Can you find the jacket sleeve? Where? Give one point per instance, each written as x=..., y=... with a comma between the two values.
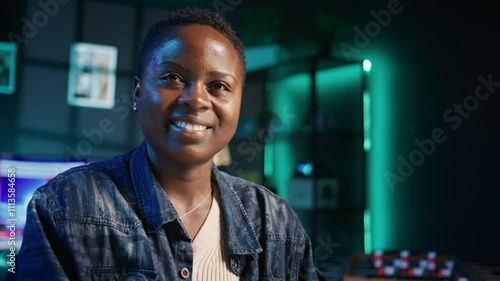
x=307, y=269
x=40, y=255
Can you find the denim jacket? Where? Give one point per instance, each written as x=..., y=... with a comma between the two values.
x=111, y=220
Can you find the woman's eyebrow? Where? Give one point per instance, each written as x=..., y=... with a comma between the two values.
x=174, y=64
x=211, y=74
x=220, y=74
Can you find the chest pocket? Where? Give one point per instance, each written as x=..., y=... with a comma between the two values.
x=121, y=274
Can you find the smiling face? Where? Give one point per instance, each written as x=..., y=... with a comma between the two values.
x=189, y=96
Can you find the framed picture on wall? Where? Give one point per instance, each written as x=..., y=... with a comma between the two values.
x=92, y=75
x=8, y=53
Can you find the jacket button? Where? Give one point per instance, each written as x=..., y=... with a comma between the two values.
x=184, y=273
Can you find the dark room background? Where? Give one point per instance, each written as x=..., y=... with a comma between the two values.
x=427, y=64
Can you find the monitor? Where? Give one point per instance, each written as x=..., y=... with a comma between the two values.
x=19, y=179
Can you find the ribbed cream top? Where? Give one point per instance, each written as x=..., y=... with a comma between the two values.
x=210, y=259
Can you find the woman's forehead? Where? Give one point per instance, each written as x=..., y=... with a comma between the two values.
x=196, y=43
x=194, y=39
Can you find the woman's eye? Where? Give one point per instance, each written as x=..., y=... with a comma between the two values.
x=219, y=86
x=172, y=77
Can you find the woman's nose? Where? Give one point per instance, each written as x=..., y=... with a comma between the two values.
x=195, y=97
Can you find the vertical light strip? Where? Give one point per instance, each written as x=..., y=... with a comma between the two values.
x=367, y=221
x=269, y=160
x=367, y=122
x=381, y=87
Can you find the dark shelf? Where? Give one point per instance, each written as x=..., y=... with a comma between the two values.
x=301, y=65
x=329, y=136
x=299, y=135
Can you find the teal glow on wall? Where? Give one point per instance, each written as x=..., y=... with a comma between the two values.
x=342, y=80
x=292, y=95
x=269, y=160
x=339, y=88
x=286, y=155
x=367, y=223
x=339, y=99
x=380, y=87
x=288, y=99
x=259, y=57
x=367, y=121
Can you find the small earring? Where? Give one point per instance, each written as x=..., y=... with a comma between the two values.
x=134, y=107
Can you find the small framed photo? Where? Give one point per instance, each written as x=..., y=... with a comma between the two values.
x=92, y=75
x=8, y=54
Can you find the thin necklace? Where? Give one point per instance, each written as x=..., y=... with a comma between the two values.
x=197, y=206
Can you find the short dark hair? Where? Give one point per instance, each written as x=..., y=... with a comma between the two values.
x=188, y=16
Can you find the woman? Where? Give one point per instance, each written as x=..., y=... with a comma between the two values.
x=163, y=211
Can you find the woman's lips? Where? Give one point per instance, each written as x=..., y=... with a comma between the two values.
x=190, y=127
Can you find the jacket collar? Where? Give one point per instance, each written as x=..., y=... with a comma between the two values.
x=240, y=235
x=154, y=205
x=157, y=210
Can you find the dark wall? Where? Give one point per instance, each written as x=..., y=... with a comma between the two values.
x=9, y=20
x=454, y=196
x=451, y=201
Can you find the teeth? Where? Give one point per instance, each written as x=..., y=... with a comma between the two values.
x=190, y=127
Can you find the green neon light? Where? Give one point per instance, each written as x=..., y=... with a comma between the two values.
x=367, y=221
x=269, y=160
x=289, y=100
x=367, y=65
x=380, y=85
x=367, y=122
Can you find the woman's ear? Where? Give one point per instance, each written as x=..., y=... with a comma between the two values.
x=136, y=92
